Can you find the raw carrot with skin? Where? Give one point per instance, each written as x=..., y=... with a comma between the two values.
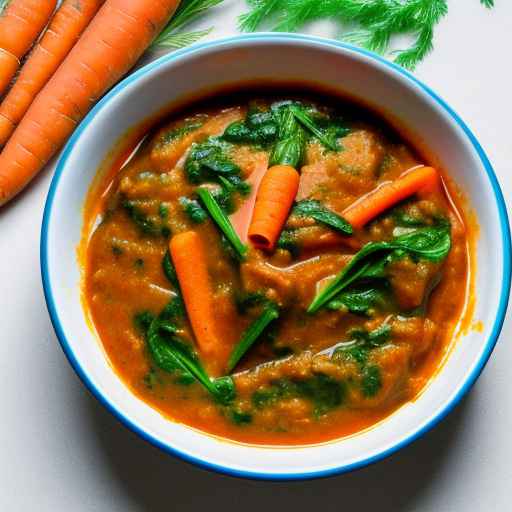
x=108, y=48
x=63, y=32
x=20, y=24
x=274, y=199
x=189, y=258
x=373, y=204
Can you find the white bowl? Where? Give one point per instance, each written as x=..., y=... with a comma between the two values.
x=271, y=57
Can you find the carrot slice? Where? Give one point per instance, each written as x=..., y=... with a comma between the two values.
x=69, y=22
x=241, y=219
x=189, y=258
x=20, y=24
x=387, y=195
x=108, y=48
x=274, y=199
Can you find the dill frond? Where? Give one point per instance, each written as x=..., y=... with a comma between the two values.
x=376, y=21
x=180, y=40
x=188, y=11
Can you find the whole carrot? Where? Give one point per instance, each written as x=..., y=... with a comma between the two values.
x=189, y=258
x=274, y=199
x=67, y=25
x=373, y=204
x=20, y=24
x=109, y=47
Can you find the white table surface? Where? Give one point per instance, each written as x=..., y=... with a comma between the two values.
x=60, y=450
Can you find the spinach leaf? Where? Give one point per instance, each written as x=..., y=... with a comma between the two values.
x=222, y=221
x=316, y=210
x=169, y=270
x=171, y=354
x=144, y=223
x=208, y=160
x=179, y=132
x=258, y=128
x=359, y=300
x=371, y=382
x=323, y=391
x=431, y=243
x=288, y=241
x=291, y=140
x=193, y=209
x=302, y=116
x=163, y=211
x=142, y=321
x=246, y=301
x=249, y=337
x=174, y=310
x=406, y=220
x=364, y=342
x=240, y=417
x=374, y=338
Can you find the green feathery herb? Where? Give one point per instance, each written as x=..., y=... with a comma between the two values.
x=378, y=21
x=188, y=11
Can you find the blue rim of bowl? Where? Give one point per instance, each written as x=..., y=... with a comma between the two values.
x=269, y=37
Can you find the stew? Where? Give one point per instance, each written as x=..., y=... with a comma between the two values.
x=278, y=270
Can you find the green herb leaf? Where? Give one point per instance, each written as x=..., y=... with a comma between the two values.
x=288, y=241
x=142, y=321
x=371, y=381
x=374, y=338
x=173, y=355
x=258, y=128
x=209, y=159
x=360, y=300
x=323, y=391
x=163, y=211
x=249, y=337
x=179, y=132
x=188, y=11
x=404, y=219
x=180, y=40
x=378, y=20
x=145, y=224
x=308, y=122
x=193, y=209
x=291, y=141
x=246, y=301
x=169, y=270
x=222, y=221
x=432, y=243
x=315, y=209
x=240, y=417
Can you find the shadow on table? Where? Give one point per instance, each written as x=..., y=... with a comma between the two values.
x=155, y=480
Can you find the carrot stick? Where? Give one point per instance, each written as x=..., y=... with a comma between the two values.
x=389, y=194
x=67, y=25
x=274, y=199
x=189, y=258
x=20, y=24
x=108, y=48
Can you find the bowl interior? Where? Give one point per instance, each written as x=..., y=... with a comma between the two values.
x=270, y=59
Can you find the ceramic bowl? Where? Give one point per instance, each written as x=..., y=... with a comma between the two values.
x=269, y=58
